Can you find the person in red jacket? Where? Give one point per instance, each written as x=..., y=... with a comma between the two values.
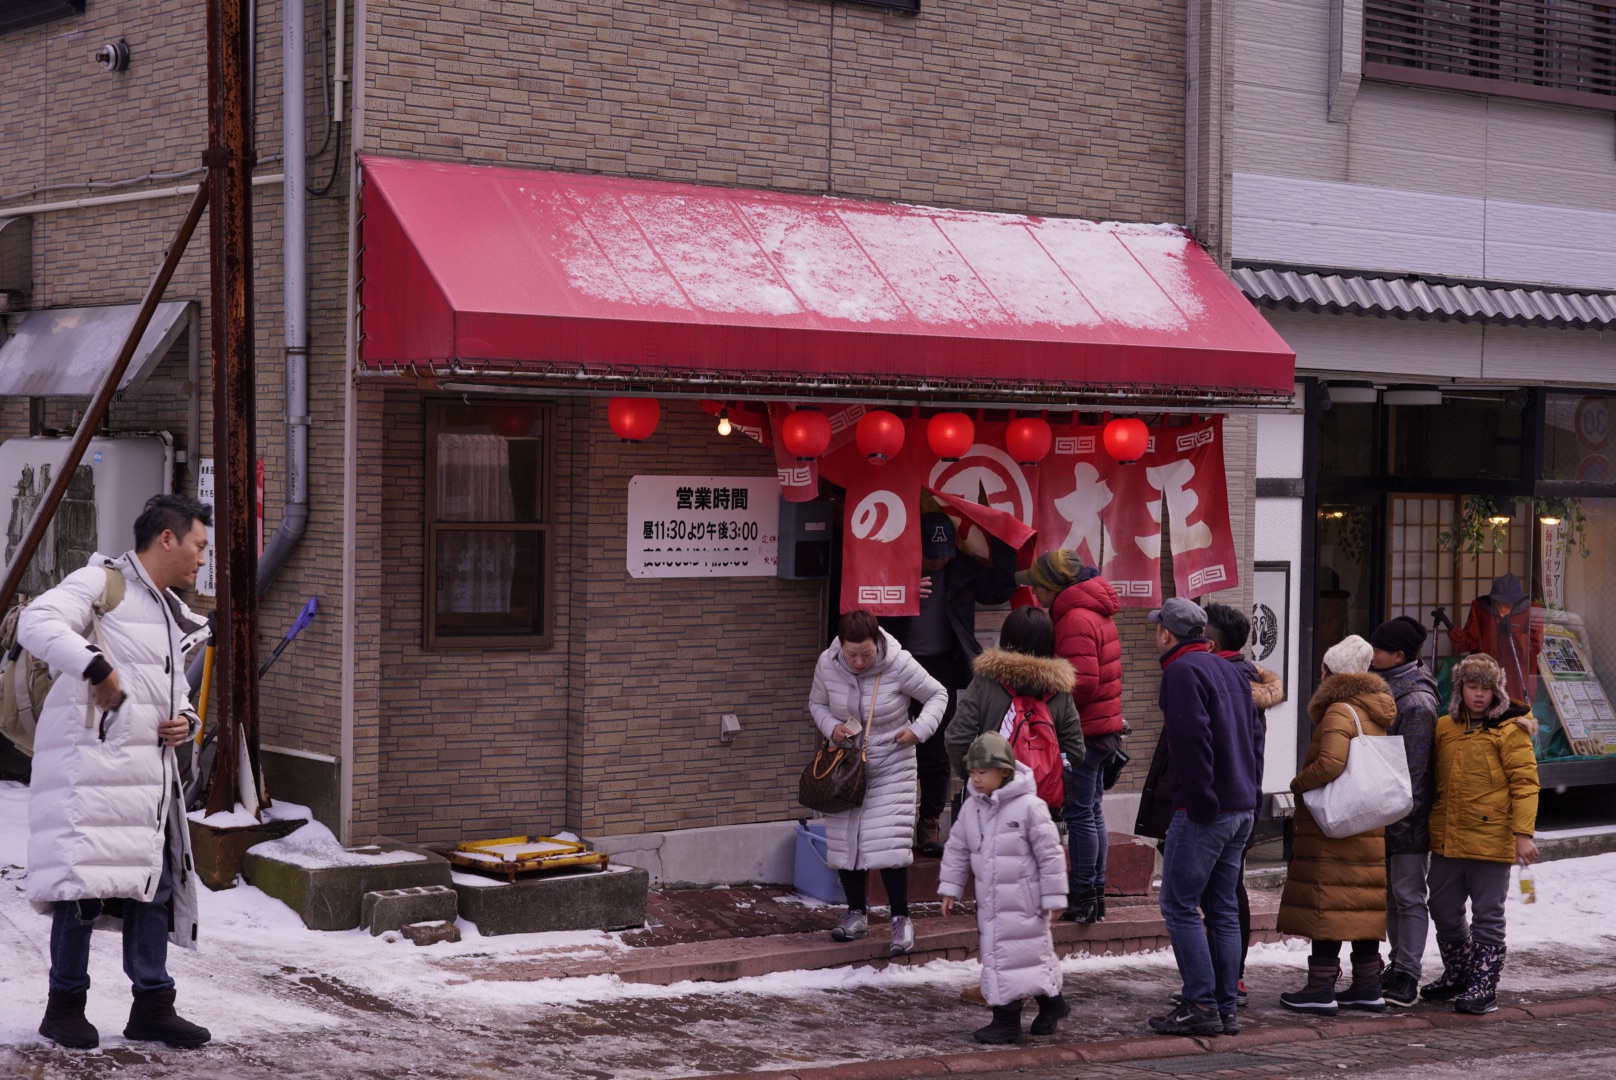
x=1083, y=605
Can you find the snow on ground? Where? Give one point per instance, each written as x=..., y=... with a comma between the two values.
x=341, y=1004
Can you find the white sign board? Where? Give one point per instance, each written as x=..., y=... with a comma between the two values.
x=206, y=583
x=703, y=526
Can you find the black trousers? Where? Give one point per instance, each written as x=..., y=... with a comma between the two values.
x=931, y=757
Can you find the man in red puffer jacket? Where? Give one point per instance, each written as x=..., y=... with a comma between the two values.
x=1083, y=605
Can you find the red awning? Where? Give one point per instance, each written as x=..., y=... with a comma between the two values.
x=468, y=268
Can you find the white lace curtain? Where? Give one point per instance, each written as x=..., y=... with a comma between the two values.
x=474, y=484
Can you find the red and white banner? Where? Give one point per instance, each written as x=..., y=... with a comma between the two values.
x=1108, y=513
x=1187, y=468
x=799, y=480
x=881, y=534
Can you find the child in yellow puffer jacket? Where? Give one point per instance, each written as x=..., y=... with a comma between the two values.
x=1479, y=827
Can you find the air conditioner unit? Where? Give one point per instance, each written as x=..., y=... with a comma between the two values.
x=109, y=490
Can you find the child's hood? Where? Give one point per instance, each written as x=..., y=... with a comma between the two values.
x=1020, y=784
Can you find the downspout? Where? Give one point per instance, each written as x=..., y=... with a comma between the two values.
x=350, y=420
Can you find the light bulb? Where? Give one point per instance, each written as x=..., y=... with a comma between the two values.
x=724, y=426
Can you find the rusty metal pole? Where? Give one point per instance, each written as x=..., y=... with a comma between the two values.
x=230, y=160
x=98, y=405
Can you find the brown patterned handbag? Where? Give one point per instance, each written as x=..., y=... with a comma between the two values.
x=835, y=781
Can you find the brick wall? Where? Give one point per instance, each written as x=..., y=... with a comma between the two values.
x=1038, y=107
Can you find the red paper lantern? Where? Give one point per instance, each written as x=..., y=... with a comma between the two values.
x=879, y=436
x=805, y=433
x=511, y=421
x=1127, y=439
x=1029, y=440
x=950, y=435
x=633, y=418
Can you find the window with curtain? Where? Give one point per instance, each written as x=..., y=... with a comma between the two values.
x=488, y=517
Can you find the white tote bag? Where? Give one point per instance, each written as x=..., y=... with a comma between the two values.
x=1373, y=791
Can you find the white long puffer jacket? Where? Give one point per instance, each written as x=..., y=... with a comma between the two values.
x=1012, y=849
x=881, y=833
x=103, y=804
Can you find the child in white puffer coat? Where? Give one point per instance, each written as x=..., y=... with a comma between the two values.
x=1004, y=837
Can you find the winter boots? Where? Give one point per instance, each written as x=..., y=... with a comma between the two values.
x=1051, y=1011
x=65, y=1024
x=1006, y=1025
x=1481, y=992
x=1365, y=992
x=1456, y=960
x=929, y=838
x=1318, y=997
x=152, y=1019
x=1087, y=906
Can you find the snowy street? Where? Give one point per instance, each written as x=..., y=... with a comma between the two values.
x=279, y=998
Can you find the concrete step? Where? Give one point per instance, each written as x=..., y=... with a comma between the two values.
x=1128, y=928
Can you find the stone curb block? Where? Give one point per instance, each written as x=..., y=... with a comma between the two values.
x=393, y=909
x=1146, y=1049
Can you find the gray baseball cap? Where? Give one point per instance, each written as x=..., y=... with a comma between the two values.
x=1183, y=618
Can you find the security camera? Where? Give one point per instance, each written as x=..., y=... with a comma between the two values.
x=113, y=57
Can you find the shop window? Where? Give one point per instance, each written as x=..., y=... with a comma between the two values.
x=1577, y=438
x=489, y=547
x=1345, y=575
x=1472, y=435
x=1348, y=440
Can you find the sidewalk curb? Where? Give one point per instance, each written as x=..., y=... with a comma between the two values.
x=1116, y=1051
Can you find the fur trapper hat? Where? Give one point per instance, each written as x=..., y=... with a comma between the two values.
x=1479, y=669
x=1352, y=655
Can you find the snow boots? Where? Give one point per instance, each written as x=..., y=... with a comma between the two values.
x=1005, y=1028
x=1365, y=992
x=1051, y=1011
x=152, y=1019
x=1087, y=906
x=65, y=1024
x=1481, y=993
x=1456, y=959
x=929, y=838
x=1318, y=996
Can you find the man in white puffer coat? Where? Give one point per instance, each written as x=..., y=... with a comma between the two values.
x=106, y=819
x=1008, y=842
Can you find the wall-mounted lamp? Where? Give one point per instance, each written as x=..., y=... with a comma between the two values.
x=1501, y=516
x=1333, y=515
x=113, y=56
x=1549, y=519
x=1408, y=394
x=1350, y=392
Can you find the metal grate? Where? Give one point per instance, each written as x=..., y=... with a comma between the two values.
x=1558, y=51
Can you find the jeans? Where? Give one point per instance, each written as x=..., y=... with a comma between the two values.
x=1200, y=868
x=145, y=941
x=933, y=771
x=1085, y=825
x=1407, y=918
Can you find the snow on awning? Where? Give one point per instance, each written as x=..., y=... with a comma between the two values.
x=68, y=351
x=473, y=268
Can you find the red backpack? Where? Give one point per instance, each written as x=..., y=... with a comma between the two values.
x=1033, y=739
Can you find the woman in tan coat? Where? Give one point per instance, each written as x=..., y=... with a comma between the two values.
x=1335, y=890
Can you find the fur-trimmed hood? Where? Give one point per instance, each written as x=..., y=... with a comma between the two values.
x=1033, y=674
x=1367, y=691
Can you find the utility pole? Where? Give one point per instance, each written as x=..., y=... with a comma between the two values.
x=230, y=160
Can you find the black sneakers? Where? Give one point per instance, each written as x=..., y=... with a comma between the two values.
x=1399, y=988
x=1188, y=1019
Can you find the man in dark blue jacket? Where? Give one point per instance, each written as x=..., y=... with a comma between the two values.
x=1215, y=748
x=943, y=638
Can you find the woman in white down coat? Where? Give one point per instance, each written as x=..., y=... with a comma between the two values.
x=1006, y=841
x=862, y=687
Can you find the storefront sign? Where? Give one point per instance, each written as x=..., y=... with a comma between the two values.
x=1271, y=619
x=703, y=526
x=881, y=539
x=207, y=582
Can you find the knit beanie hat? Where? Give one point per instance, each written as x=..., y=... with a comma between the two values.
x=1479, y=669
x=990, y=751
x=1349, y=656
x=1402, y=634
x=1053, y=570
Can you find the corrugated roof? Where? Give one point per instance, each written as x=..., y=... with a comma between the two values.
x=1406, y=297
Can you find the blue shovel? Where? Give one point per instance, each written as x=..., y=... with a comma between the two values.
x=310, y=609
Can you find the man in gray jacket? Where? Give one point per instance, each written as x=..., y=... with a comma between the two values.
x=1396, y=659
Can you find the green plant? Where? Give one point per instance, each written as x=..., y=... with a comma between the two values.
x=1474, y=532
x=1571, y=519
